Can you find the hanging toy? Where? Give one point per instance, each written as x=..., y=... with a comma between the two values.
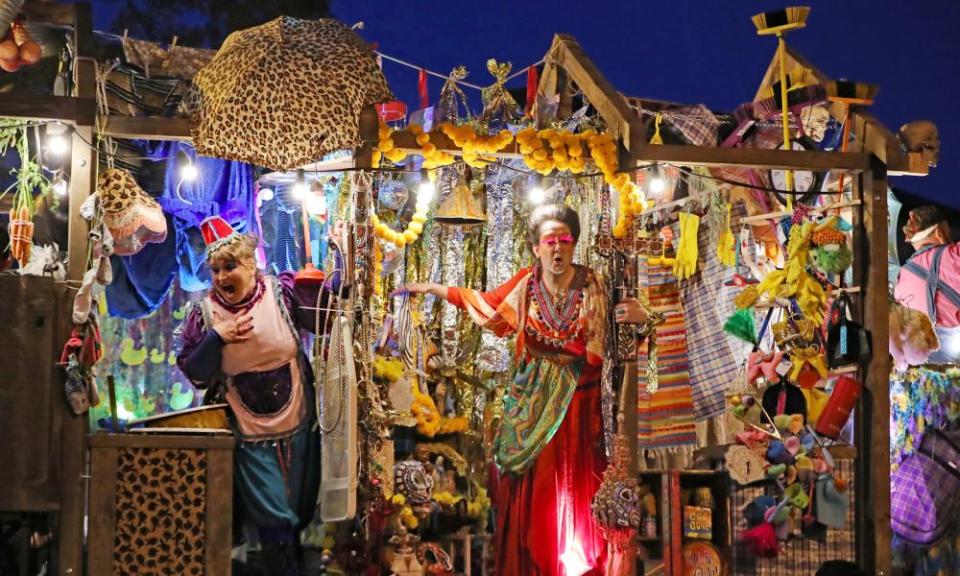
x=831, y=255
x=727, y=242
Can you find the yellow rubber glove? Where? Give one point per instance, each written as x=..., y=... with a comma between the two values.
x=726, y=243
x=686, y=264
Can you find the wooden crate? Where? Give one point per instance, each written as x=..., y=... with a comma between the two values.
x=160, y=504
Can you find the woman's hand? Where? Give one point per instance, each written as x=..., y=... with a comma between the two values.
x=233, y=330
x=420, y=288
x=630, y=311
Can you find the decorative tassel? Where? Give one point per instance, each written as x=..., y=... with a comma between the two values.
x=422, y=89
x=741, y=325
x=532, y=82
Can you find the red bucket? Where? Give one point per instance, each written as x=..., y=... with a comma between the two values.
x=394, y=111
x=839, y=406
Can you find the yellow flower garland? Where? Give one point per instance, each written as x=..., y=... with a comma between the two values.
x=409, y=235
x=543, y=151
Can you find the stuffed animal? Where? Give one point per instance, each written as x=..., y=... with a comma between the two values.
x=912, y=338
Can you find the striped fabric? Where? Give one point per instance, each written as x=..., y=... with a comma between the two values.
x=711, y=359
x=665, y=418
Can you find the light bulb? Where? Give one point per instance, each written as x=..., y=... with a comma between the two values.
x=536, y=195
x=315, y=205
x=300, y=190
x=57, y=145
x=425, y=192
x=266, y=194
x=60, y=188
x=189, y=172
x=657, y=184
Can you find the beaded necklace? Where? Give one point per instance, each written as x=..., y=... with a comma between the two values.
x=560, y=318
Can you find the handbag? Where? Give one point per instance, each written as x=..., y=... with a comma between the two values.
x=923, y=490
x=847, y=341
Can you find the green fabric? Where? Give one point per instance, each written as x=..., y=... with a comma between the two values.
x=533, y=409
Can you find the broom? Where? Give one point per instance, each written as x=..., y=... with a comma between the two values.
x=779, y=22
x=852, y=94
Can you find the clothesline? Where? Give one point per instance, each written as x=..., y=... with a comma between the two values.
x=386, y=57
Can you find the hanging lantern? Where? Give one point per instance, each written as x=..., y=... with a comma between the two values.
x=463, y=206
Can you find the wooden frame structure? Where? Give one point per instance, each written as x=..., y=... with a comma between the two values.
x=566, y=64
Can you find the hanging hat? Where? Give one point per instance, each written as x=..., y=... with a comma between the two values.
x=216, y=232
x=133, y=217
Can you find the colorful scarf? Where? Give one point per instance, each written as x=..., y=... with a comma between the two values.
x=665, y=417
x=536, y=401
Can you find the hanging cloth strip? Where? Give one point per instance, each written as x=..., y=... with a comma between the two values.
x=665, y=417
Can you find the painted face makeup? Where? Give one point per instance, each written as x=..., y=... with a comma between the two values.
x=555, y=249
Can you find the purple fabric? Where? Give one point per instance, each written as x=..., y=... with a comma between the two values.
x=265, y=393
x=203, y=363
x=923, y=502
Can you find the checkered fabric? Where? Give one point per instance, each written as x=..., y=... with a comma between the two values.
x=923, y=502
x=712, y=364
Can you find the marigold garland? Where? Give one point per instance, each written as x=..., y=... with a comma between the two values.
x=409, y=235
x=543, y=151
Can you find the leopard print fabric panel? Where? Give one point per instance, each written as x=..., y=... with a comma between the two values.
x=160, y=503
x=284, y=93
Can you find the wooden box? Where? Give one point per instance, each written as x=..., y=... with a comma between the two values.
x=160, y=504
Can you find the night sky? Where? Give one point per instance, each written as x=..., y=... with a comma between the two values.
x=691, y=51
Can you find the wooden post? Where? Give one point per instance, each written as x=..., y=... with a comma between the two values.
x=69, y=559
x=873, y=416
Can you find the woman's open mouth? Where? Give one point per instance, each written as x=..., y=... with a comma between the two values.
x=228, y=290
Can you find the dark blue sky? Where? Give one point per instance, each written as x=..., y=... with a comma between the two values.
x=692, y=51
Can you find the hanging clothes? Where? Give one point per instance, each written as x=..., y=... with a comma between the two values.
x=141, y=282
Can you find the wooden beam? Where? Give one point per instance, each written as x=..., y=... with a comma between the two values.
x=369, y=125
x=752, y=157
x=406, y=141
x=49, y=13
x=73, y=433
x=621, y=121
x=140, y=128
x=873, y=438
x=39, y=107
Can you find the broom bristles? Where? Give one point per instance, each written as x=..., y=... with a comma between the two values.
x=796, y=79
x=852, y=92
x=775, y=21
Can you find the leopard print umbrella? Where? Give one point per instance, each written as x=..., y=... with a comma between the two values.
x=284, y=93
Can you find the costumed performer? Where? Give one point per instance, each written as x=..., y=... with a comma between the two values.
x=244, y=336
x=549, y=447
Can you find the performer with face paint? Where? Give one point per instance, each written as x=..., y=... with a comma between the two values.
x=549, y=448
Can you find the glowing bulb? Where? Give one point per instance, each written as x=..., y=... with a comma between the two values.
x=300, y=190
x=657, y=185
x=316, y=205
x=537, y=195
x=189, y=172
x=60, y=188
x=266, y=194
x=57, y=145
x=426, y=191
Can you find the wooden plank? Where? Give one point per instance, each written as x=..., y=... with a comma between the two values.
x=369, y=126
x=406, y=141
x=103, y=520
x=49, y=13
x=873, y=487
x=751, y=157
x=621, y=120
x=142, y=128
x=73, y=433
x=41, y=107
x=219, y=517
x=173, y=441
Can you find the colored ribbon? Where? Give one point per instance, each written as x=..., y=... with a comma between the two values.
x=809, y=355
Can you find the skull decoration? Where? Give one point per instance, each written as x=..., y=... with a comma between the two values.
x=411, y=480
x=616, y=505
x=921, y=136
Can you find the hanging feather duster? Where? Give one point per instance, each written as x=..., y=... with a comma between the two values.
x=741, y=325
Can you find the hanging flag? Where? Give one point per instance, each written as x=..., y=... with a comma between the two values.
x=422, y=89
x=532, y=82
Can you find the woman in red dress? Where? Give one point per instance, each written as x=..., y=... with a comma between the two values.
x=549, y=448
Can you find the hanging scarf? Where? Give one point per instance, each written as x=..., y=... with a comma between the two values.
x=537, y=398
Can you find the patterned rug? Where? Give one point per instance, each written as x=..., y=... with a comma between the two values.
x=665, y=418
